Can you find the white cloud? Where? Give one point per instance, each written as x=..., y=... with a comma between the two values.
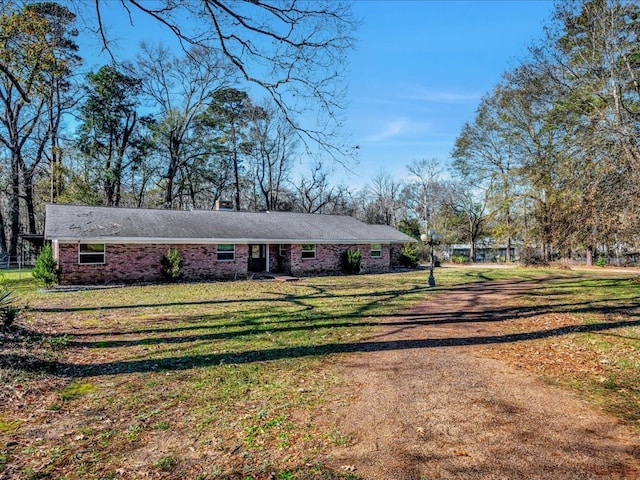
x=399, y=128
x=443, y=96
x=390, y=130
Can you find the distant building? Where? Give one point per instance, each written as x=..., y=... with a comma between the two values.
x=486, y=251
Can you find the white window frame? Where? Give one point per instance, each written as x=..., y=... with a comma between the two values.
x=83, y=255
x=308, y=251
x=283, y=250
x=376, y=250
x=226, y=252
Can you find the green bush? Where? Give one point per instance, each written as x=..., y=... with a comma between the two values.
x=409, y=255
x=601, y=262
x=351, y=261
x=46, y=268
x=8, y=311
x=459, y=259
x=172, y=265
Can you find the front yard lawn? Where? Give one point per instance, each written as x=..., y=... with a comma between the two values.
x=209, y=380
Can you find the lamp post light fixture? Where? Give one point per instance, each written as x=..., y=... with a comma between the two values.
x=431, y=238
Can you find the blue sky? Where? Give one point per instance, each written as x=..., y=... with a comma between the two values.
x=421, y=68
x=419, y=71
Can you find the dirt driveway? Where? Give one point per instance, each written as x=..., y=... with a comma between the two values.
x=428, y=404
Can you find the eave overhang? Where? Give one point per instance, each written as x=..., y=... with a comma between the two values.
x=209, y=241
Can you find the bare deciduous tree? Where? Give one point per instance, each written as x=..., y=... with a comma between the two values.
x=37, y=56
x=180, y=89
x=294, y=50
x=424, y=176
x=385, y=204
x=314, y=191
x=272, y=145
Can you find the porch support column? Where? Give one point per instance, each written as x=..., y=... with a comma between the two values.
x=267, y=255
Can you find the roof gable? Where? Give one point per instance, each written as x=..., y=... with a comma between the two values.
x=137, y=225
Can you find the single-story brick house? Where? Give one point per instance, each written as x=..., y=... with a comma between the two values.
x=108, y=244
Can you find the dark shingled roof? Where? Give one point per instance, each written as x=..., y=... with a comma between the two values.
x=124, y=225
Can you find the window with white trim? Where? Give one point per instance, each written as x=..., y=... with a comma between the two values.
x=376, y=250
x=283, y=250
x=91, y=253
x=308, y=250
x=226, y=252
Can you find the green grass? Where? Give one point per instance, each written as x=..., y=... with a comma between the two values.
x=8, y=426
x=234, y=369
x=16, y=275
x=166, y=463
x=17, y=280
x=76, y=390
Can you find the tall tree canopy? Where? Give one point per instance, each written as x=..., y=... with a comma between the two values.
x=180, y=90
x=228, y=115
x=109, y=134
x=559, y=135
x=37, y=55
x=294, y=50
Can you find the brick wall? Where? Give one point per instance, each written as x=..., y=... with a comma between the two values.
x=395, y=254
x=281, y=263
x=328, y=260
x=126, y=263
x=141, y=262
x=371, y=264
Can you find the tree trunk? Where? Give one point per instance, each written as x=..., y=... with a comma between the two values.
x=237, y=177
x=590, y=256
x=30, y=204
x=168, y=189
x=507, y=254
x=3, y=237
x=14, y=206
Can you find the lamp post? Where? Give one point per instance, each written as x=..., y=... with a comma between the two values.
x=431, y=238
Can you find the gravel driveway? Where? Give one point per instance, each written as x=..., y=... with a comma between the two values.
x=428, y=405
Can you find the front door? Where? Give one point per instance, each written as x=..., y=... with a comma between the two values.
x=257, y=258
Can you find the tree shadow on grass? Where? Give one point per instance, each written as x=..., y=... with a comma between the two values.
x=320, y=321
x=271, y=318
x=305, y=316
x=410, y=319
x=309, y=318
x=264, y=355
x=318, y=293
